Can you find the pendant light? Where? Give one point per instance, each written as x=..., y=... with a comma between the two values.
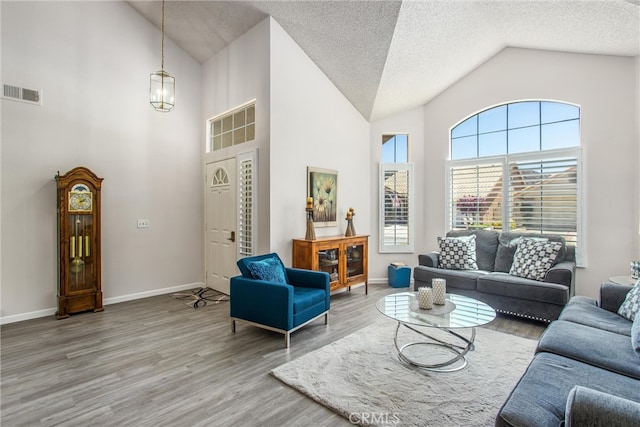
x=162, y=85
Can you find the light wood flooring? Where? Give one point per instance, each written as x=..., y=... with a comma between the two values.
x=158, y=362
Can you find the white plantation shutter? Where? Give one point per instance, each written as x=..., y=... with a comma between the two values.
x=396, y=207
x=247, y=208
x=475, y=195
x=543, y=196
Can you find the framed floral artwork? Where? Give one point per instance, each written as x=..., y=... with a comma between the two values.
x=322, y=187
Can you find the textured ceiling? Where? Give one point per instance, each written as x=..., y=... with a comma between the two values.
x=389, y=56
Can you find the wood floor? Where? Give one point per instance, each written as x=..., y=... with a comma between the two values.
x=158, y=362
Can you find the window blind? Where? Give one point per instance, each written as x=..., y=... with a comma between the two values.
x=543, y=196
x=396, y=207
x=475, y=196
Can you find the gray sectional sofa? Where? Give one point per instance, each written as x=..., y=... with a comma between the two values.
x=585, y=371
x=491, y=282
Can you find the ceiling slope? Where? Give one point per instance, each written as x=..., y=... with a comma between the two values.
x=390, y=56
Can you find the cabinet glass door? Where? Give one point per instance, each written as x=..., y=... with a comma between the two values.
x=354, y=260
x=328, y=260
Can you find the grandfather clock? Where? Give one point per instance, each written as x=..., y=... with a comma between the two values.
x=79, y=275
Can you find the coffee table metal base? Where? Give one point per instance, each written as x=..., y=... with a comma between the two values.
x=459, y=350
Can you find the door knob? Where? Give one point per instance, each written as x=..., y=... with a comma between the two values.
x=233, y=236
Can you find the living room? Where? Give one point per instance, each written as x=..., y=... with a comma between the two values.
x=95, y=113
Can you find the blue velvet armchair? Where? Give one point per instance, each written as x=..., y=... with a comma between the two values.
x=271, y=296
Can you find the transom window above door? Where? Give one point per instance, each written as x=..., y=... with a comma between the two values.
x=232, y=128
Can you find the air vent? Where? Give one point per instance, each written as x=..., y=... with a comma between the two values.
x=15, y=93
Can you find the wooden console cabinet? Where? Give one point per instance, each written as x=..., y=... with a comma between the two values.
x=344, y=258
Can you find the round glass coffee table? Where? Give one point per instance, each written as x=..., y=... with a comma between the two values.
x=458, y=312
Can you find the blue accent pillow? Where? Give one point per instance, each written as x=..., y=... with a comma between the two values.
x=269, y=269
x=635, y=335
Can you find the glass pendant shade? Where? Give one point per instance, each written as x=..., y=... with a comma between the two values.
x=162, y=91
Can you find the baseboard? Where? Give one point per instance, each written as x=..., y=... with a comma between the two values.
x=384, y=281
x=153, y=293
x=27, y=316
x=107, y=301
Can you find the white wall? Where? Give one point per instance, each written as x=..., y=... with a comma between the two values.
x=92, y=62
x=603, y=87
x=312, y=124
x=236, y=75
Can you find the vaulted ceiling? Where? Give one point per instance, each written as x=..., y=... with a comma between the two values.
x=390, y=56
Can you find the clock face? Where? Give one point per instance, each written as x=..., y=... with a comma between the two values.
x=80, y=201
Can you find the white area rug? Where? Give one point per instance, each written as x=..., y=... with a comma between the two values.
x=361, y=378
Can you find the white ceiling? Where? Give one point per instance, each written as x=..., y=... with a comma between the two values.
x=389, y=56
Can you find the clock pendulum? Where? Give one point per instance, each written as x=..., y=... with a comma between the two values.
x=77, y=263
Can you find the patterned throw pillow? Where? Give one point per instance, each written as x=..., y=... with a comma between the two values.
x=533, y=258
x=635, y=334
x=631, y=305
x=458, y=253
x=269, y=269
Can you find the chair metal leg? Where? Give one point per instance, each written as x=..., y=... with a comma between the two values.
x=287, y=339
x=326, y=318
x=233, y=325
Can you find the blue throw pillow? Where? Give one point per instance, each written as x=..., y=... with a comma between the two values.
x=635, y=335
x=269, y=269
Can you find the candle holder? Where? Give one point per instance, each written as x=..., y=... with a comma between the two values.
x=311, y=232
x=439, y=290
x=425, y=298
x=351, y=231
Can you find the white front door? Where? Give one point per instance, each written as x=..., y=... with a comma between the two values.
x=220, y=224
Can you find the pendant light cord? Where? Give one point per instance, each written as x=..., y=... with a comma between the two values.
x=162, y=35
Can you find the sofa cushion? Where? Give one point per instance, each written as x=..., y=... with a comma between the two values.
x=585, y=311
x=518, y=287
x=631, y=304
x=540, y=396
x=591, y=345
x=458, y=253
x=533, y=258
x=303, y=298
x=465, y=279
x=588, y=407
x=269, y=269
x=486, y=246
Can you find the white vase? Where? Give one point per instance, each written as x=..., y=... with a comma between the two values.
x=425, y=298
x=439, y=290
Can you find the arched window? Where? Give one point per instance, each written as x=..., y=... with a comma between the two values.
x=517, y=167
x=518, y=127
